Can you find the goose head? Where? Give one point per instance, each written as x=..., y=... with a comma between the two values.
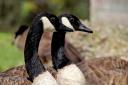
x=73, y=22
x=20, y=37
x=49, y=22
x=21, y=30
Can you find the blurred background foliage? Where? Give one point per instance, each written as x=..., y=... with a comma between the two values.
x=12, y=14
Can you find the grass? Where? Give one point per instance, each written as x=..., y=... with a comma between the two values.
x=10, y=56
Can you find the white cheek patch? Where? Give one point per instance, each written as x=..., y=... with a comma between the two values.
x=47, y=25
x=66, y=22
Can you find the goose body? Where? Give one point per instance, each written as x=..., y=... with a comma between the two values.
x=70, y=75
x=14, y=76
x=17, y=71
x=110, y=71
x=45, y=79
x=67, y=71
x=7, y=79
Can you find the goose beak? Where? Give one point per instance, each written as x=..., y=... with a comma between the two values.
x=85, y=29
x=66, y=29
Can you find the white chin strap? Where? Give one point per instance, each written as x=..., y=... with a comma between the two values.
x=66, y=22
x=47, y=25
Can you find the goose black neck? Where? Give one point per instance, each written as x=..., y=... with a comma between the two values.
x=58, y=56
x=32, y=62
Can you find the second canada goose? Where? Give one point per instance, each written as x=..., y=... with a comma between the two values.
x=109, y=71
x=75, y=24
x=33, y=64
x=68, y=74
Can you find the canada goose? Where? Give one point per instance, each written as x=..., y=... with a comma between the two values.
x=20, y=36
x=33, y=64
x=21, y=30
x=44, y=49
x=72, y=22
x=66, y=71
x=110, y=70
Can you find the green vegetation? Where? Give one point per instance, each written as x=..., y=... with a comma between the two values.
x=9, y=55
x=19, y=12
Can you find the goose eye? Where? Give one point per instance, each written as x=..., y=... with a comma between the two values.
x=72, y=19
x=53, y=18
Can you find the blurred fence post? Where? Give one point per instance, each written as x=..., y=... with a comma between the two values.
x=112, y=12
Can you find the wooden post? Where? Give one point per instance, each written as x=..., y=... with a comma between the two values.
x=112, y=12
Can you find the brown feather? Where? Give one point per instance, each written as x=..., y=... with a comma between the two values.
x=105, y=71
